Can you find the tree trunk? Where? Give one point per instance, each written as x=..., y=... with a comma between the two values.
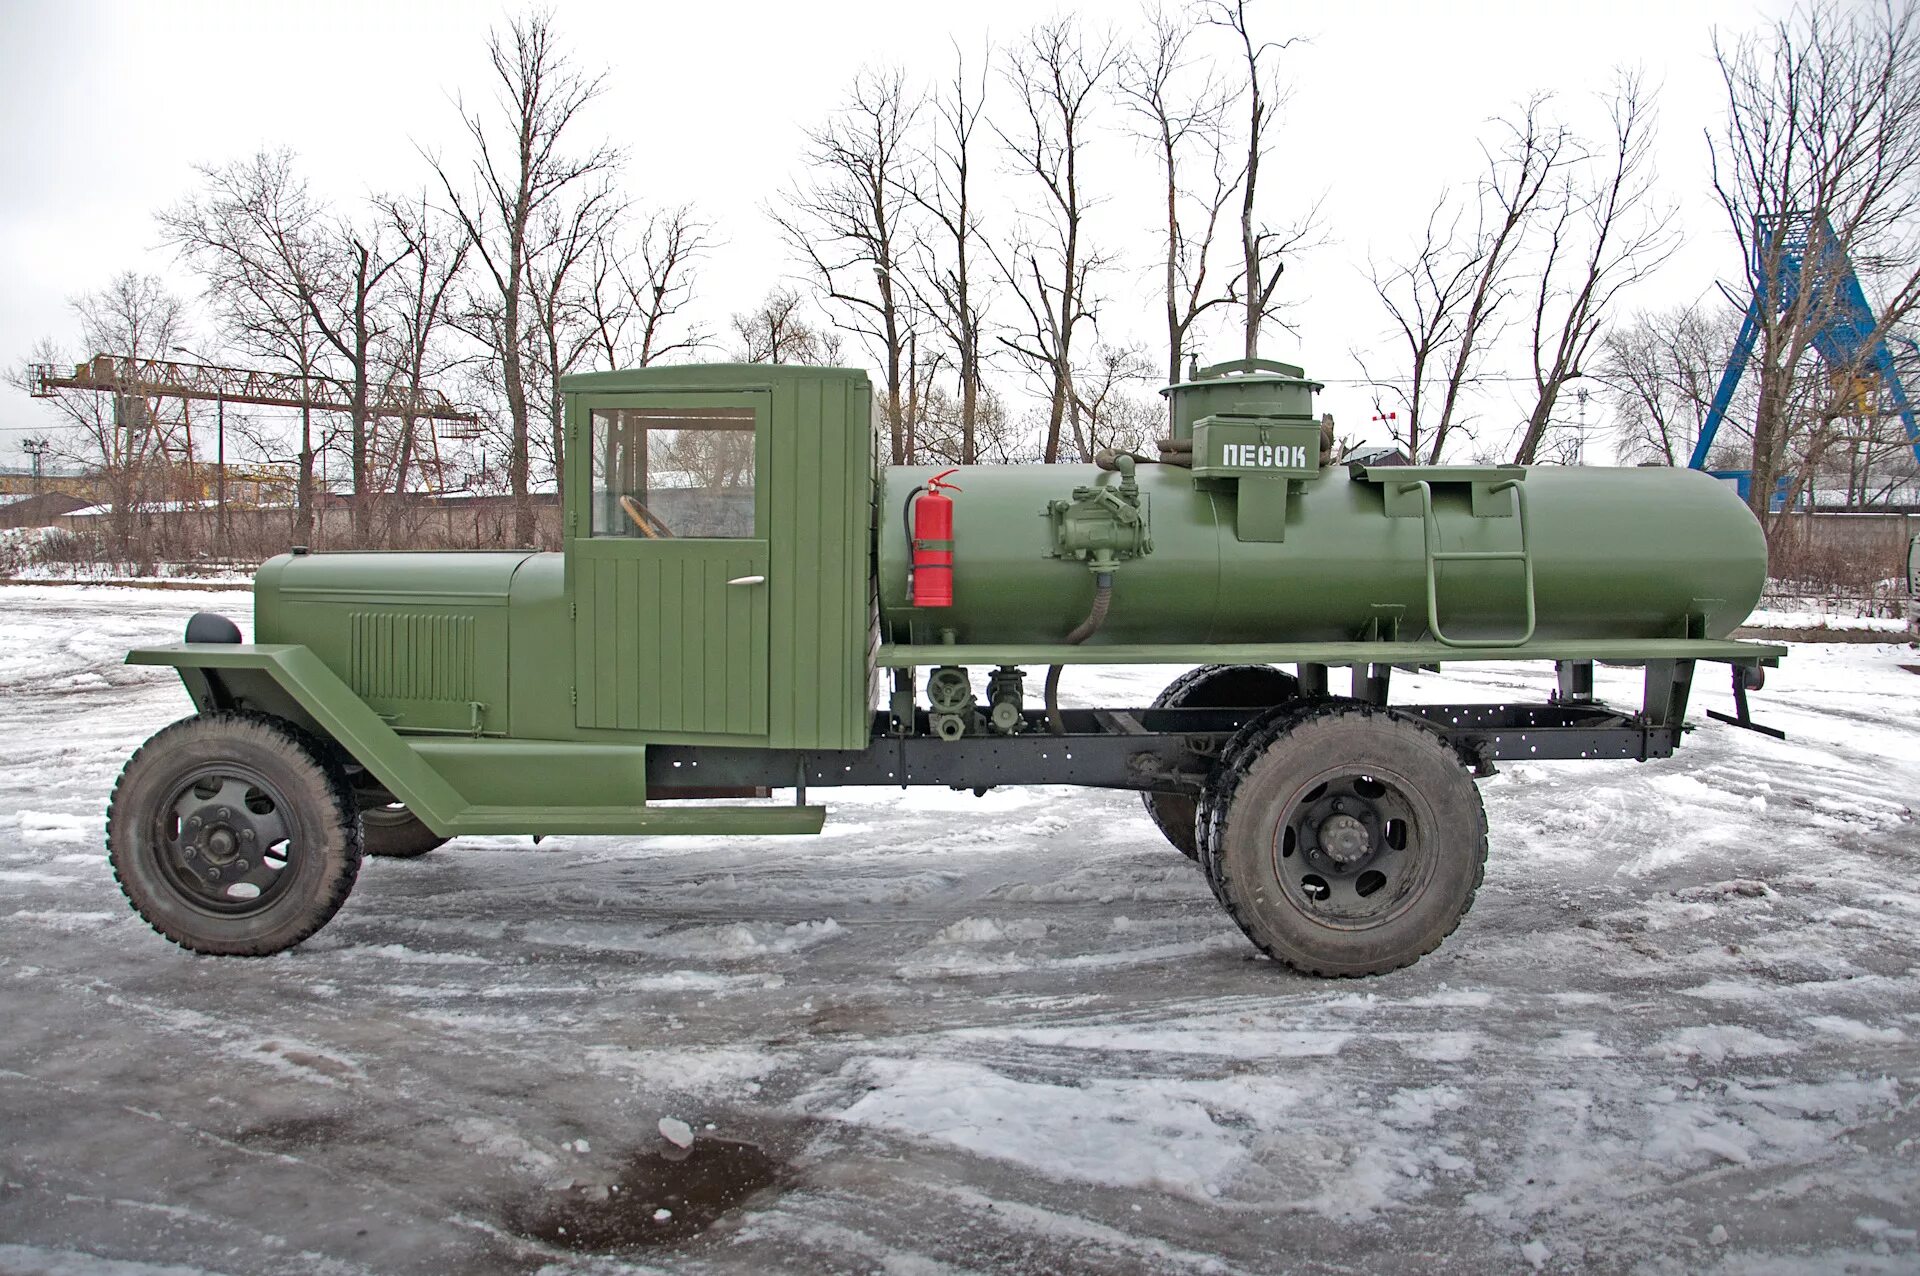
x=303, y=482
x=516, y=391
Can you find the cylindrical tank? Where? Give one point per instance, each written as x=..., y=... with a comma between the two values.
x=1616, y=553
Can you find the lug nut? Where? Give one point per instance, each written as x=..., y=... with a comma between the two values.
x=193, y=822
x=239, y=866
x=189, y=850
x=246, y=835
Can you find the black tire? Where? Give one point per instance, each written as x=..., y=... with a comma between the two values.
x=1211, y=687
x=1344, y=839
x=276, y=849
x=1254, y=736
x=387, y=828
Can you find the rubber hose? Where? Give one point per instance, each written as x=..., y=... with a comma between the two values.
x=1102, y=598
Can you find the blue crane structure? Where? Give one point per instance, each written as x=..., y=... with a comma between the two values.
x=1848, y=339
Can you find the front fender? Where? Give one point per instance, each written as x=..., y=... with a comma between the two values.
x=497, y=786
x=289, y=681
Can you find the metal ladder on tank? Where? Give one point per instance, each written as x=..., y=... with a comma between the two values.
x=1435, y=556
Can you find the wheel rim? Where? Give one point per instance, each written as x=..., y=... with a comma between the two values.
x=225, y=842
x=1349, y=848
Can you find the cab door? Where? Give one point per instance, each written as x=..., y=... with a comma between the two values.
x=667, y=559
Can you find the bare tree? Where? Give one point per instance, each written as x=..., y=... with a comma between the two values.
x=1423, y=295
x=1870, y=457
x=1818, y=164
x=1186, y=128
x=940, y=182
x=567, y=238
x=636, y=293
x=846, y=220
x=421, y=298
x=1111, y=414
x=261, y=240
x=996, y=440
x=1056, y=75
x=517, y=199
x=1660, y=370
x=1602, y=235
x=778, y=332
x=131, y=443
x=1263, y=246
x=1445, y=301
x=294, y=287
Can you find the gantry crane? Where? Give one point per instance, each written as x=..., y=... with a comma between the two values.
x=134, y=378
x=1848, y=339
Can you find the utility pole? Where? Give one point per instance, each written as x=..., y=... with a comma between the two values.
x=37, y=449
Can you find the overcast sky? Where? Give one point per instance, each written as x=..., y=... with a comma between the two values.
x=106, y=107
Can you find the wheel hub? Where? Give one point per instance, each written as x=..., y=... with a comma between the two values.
x=1344, y=840
x=1346, y=852
x=228, y=842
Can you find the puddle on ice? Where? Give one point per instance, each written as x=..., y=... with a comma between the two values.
x=291, y=1133
x=660, y=1198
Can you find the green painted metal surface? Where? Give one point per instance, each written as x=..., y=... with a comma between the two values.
x=473, y=786
x=1264, y=550
x=1618, y=650
x=671, y=629
x=623, y=639
x=1615, y=553
x=1232, y=447
x=518, y=692
x=1242, y=387
x=814, y=510
x=336, y=709
x=422, y=638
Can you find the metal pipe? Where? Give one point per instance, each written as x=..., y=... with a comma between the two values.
x=1102, y=599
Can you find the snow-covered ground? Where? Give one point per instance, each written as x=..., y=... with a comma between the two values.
x=1677, y=1034
x=1825, y=617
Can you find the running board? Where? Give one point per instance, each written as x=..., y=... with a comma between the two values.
x=652, y=821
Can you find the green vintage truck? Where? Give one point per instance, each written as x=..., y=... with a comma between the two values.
x=747, y=603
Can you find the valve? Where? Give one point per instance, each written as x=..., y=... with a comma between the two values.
x=950, y=696
x=1102, y=525
x=1006, y=699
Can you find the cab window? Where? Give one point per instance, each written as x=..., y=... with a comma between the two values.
x=666, y=473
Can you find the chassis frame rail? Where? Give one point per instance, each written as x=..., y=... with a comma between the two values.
x=1161, y=750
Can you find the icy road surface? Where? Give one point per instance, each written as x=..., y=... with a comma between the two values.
x=1009, y=1034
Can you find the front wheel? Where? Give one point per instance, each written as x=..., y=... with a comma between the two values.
x=1344, y=840
x=234, y=834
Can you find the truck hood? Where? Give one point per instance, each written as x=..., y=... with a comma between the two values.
x=468, y=579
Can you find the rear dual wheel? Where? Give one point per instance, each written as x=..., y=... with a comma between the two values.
x=1343, y=839
x=1211, y=687
x=234, y=834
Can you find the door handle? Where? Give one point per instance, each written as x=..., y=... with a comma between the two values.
x=748, y=580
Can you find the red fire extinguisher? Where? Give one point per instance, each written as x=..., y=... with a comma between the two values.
x=930, y=570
